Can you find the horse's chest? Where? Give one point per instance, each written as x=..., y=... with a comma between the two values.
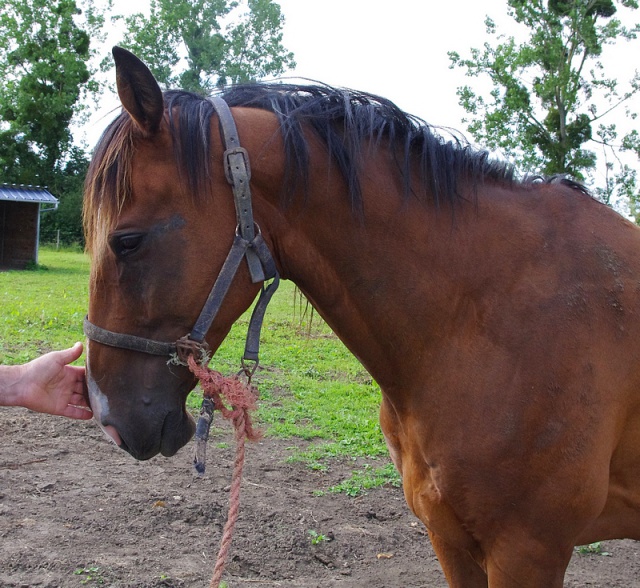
x=422, y=487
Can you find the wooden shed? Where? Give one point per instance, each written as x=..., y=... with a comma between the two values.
x=20, y=208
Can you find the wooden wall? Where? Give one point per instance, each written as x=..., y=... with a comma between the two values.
x=18, y=233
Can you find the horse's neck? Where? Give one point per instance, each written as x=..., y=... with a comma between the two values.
x=379, y=281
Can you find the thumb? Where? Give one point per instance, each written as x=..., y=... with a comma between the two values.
x=71, y=354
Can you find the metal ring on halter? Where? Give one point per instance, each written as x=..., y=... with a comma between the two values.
x=256, y=226
x=247, y=370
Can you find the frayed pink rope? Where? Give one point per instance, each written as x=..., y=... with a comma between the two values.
x=242, y=399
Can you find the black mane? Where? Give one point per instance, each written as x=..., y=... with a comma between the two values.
x=348, y=122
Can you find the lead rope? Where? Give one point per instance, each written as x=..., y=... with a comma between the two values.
x=242, y=397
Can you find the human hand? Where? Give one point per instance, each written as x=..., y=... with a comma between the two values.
x=48, y=384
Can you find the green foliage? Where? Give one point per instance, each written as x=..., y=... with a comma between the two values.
x=221, y=41
x=43, y=75
x=317, y=538
x=65, y=223
x=92, y=575
x=550, y=93
x=45, y=48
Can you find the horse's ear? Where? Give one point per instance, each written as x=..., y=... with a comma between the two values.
x=139, y=92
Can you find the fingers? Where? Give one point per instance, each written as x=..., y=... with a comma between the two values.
x=77, y=412
x=78, y=405
x=78, y=371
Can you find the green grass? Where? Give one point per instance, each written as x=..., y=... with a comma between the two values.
x=368, y=477
x=42, y=309
x=311, y=387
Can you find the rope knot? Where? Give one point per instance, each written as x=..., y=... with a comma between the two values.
x=240, y=396
x=186, y=348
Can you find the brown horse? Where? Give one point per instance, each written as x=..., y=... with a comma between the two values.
x=501, y=317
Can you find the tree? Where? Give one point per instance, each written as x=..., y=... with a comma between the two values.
x=43, y=74
x=551, y=101
x=221, y=41
x=65, y=223
x=45, y=46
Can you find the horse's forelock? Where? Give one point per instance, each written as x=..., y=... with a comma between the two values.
x=189, y=117
x=108, y=183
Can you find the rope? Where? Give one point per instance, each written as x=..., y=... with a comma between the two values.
x=242, y=398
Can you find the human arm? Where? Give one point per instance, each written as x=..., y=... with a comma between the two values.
x=47, y=384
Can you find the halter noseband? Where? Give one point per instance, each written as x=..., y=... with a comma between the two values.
x=248, y=244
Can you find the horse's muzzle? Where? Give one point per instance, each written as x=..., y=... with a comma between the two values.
x=142, y=431
x=174, y=434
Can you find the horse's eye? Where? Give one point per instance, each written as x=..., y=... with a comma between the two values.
x=126, y=244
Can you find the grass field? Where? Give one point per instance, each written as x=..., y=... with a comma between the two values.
x=311, y=387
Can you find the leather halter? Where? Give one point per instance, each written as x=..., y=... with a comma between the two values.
x=248, y=244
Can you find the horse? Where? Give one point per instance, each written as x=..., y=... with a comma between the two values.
x=499, y=314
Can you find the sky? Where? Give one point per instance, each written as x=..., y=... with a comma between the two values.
x=396, y=49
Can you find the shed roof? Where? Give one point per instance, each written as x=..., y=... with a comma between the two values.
x=26, y=194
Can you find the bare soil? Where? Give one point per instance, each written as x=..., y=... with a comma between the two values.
x=76, y=511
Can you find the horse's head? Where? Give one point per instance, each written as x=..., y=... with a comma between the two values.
x=159, y=222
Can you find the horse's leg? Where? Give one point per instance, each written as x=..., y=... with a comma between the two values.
x=547, y=576
x=518, y=562
x=460, y=569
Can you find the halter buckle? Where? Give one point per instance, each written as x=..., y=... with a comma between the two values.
x=231, y=169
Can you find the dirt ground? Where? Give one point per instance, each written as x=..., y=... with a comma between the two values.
x=75, y=511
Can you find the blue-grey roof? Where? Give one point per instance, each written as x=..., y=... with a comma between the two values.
x=26, y=194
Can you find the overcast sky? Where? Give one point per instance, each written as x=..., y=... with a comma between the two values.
x=397, y=49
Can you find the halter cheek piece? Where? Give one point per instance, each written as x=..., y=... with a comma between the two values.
x=248, y=244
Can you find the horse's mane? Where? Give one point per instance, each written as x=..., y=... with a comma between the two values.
x=348, y=123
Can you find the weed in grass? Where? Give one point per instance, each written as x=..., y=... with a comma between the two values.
x=317, y=538
x=592, y=549
x=313, y=373
x=90, y=575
